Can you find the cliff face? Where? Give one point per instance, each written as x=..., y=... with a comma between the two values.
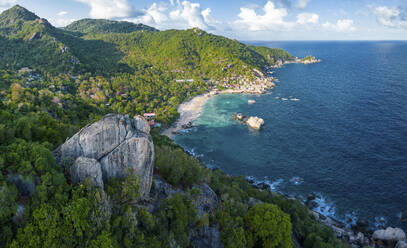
x=110, y=148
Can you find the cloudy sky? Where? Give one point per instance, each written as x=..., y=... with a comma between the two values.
x=242, y=19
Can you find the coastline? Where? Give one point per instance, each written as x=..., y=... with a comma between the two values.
x=192, y=109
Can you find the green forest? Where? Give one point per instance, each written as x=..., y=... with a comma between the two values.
x=55, y=81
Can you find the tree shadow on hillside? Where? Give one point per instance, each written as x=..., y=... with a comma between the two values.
x=96, y=56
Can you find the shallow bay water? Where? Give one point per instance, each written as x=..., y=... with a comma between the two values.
x=345, y=138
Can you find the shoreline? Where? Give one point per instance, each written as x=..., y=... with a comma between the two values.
x=190, y=110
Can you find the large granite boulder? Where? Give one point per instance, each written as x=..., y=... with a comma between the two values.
x=87, y=168
x=388, y=237
x=255, y=122
x=110, y=148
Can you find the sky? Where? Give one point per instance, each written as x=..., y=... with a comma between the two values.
x=242, y=19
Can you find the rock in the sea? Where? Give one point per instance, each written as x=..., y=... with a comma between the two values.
x=388, y=237
x=113, y=146
x=255, y=122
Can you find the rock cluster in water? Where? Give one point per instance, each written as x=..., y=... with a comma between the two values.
x=252, y=121
x=110, y=148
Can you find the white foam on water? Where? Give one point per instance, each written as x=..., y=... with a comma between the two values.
x=296, y=180
x=380, y=222
x=193, y=153
x=284, y=99
x=324, y=207
x=350, y=219
x=274, y=185
x=294, y=99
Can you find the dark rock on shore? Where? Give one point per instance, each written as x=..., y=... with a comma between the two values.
x=188, y=125
x=389, y=237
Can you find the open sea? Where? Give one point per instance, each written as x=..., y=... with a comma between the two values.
x=345, y=138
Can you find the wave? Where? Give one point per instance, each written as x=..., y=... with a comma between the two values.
x=296, y=180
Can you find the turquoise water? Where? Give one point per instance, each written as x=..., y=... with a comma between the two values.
x=345, y=139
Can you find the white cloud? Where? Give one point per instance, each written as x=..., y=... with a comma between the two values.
x=190, y=14
x=206, y=13
x=390, y=17
x=62, y=13
x=344, y=25
x=307, y=18
x=5, y=4
x=154, y=15
x=302, y=4
x=178, y=14
x=108, y=8
x=272, y=19
x=61, y=22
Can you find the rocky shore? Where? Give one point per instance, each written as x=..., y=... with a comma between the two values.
x=358, y=235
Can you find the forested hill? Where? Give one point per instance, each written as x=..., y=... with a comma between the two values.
x=101, y=26
x=106, y=47
x=53, y=82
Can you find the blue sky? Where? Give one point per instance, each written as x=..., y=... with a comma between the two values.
x=242, y=19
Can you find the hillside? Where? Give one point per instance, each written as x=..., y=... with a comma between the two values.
x=109, y=47
x=71, y=84
x=193, y=51
x=100, y=26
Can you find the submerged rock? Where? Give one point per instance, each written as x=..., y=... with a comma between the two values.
x=110, y=148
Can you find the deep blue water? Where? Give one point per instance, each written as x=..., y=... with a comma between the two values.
x=345, y=139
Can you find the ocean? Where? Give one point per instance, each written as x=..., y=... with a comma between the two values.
x=344, y=138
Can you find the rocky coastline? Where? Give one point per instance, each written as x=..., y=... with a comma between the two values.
x=358, y=234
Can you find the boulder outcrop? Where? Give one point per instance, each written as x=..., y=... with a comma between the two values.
x=388, y=237
x=255, y=122
x=207, y=201
x=110, y=147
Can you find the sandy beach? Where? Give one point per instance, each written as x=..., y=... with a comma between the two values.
x=191, y=110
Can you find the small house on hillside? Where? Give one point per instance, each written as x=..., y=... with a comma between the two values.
x=150, y=118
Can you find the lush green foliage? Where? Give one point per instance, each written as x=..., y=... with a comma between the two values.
x=73, y=80
x=100, y=26
x=177, y=167
x=268, y=226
